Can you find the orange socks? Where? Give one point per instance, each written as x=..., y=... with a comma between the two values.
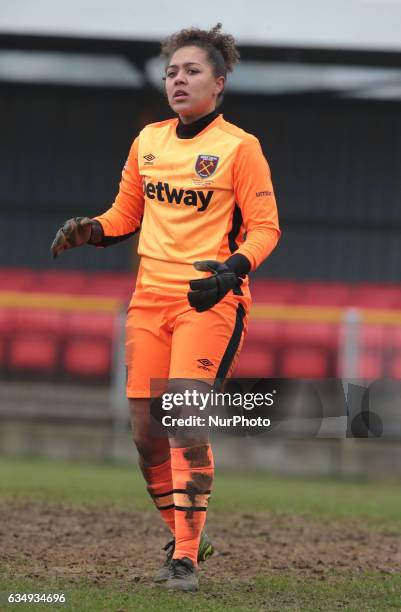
x=180, y=488
x=192, y=469
x=160, y=487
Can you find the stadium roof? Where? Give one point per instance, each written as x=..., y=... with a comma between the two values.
x=339, y=24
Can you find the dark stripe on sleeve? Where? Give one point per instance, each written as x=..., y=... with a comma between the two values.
x=232, y=346
x=110, y=240
x=236, y=226
x=165, y=507
x=98, y=239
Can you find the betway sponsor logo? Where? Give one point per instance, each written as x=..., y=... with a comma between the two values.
x=189, y=197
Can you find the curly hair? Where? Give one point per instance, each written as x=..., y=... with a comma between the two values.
x=220, y=48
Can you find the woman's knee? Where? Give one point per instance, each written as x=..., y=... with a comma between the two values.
x=193, y=430
x=152, y=447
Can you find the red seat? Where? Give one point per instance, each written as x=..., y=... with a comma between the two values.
x=394, y=336
x=62, y=281
x=6, y=321
x=17, y=279
x=305, y=333
x=255, y=361
x=373, y=336
x=371, y=365
x=90, y=324
x=304, y=362
x=370, y=295
x=325, y=294
x=274, y=291
x=395, y=365
x=90, y=357
x=40, y=320
x=267, y=332
x=111, y=284
x=33, y=352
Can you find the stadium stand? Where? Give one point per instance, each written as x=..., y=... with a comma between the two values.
x=51, y=281
x=326, y=294
x=90, y=324
x=259, y=361
x=74, y=338
x=376, y=296
x=87, y=358
x=34, y=353
x=305, y=362
x=15, y=279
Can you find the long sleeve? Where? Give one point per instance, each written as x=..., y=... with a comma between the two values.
x=124, y=218
x=254, y=195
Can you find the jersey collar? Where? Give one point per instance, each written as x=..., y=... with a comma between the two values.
x=189, y=130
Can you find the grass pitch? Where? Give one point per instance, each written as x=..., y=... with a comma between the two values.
x=90, y=532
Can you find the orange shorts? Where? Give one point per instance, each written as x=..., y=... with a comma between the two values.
x=166, y=339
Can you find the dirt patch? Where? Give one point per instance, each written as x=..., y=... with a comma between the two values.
x=61, y=542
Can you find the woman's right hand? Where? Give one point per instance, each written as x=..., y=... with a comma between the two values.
x=74, y=233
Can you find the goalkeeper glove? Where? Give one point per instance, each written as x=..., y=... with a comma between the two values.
x=207, y=292
x=74, y=233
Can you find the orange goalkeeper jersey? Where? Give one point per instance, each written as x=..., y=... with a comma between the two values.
x=204, y=197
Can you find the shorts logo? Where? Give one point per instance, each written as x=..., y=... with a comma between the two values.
x=205, y=364
x=206, y=165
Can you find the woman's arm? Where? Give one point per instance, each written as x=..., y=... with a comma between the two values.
x=254, y=195
x=124, y=218
x=118, y=223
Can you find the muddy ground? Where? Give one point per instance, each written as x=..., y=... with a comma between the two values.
x=67, y=543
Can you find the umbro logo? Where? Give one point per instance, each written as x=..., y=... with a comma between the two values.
x=205, y=364
x=149, y=159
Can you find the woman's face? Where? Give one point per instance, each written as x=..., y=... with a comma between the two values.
x=191, y=86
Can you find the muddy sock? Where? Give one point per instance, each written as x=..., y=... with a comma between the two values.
x=160, y=488
x=192, y=470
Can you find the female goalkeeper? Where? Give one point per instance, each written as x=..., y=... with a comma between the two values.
x=199, y=190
